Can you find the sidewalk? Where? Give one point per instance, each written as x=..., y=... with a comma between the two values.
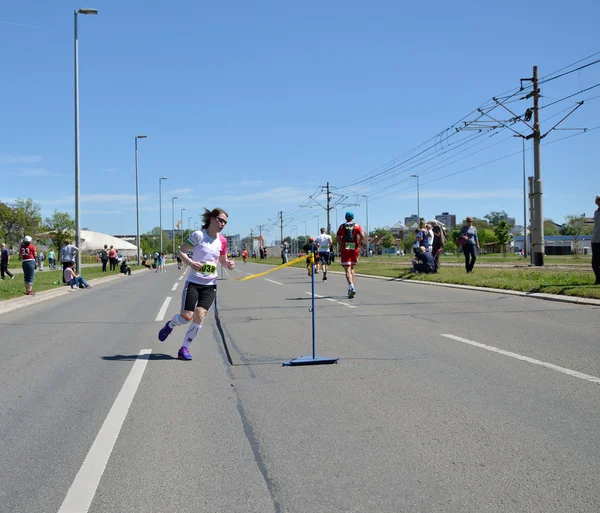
x=10, y=305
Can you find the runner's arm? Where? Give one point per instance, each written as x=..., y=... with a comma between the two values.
x=225, y=262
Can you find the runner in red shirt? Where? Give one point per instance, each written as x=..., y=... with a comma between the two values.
x=27, y=254
x=350, y=235
x=244, y=255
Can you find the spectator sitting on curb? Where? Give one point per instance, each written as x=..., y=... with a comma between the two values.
x=73, y=279
x=125, y=269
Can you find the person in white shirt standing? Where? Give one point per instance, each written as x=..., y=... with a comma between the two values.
x=208, y=247
x=324, y=245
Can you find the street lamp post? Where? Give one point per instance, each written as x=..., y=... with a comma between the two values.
x=367, y=208
x=318, y=224
x=173, y=221
x=190, y=224
x=76, y=58
x=137, y=198
x=181, y=220
x=418, y=202
x=160, y=209
x=305, y=236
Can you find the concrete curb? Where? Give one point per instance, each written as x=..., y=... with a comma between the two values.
x=10, y=305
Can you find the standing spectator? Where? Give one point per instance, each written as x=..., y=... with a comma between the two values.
x=351, y=236
x=27, y=254
x=430, y=235
x=284, y=254
x=41, y=258
x=472, y=244
x=112, y=257
x=596, y=242
x=73, y=279
x=104, y=257
x=51, y=260
x=422, y=237
x=4, y=259
x=67, y=255
x=439, y=241
x=265, y=253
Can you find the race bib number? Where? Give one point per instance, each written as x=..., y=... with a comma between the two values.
x=207, y=269
x=350, y=245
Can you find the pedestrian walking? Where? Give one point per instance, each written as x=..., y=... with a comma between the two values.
x=27, y=254
x=208, y=247
x=67, y=256
x=41, y=258
x=596, y=242
x=350, y=235
x=439, y=241
x=51, y=260
x=4, y=260
x=471, y=244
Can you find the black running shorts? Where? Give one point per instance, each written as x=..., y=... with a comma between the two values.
x=324, y=257
x=196, y=295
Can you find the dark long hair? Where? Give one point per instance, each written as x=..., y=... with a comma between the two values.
x=209, y=214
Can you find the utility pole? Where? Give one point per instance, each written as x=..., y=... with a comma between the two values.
x=531, y=214
x=537, y=242
x=281, y=225
x=328, y=209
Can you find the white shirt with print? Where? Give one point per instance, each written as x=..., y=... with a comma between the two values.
x=207, y=251
x=324, y=242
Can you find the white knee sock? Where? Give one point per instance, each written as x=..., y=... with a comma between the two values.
x=178, y=320
x=190, y=334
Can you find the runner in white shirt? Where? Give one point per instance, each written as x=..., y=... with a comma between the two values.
x=208, y=247
x=324, y=243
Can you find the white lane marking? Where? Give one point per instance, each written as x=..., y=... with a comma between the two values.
x=175, y=286
x=181, y=277
x=82, y=491
x=275, y=282
x=550, y=366
x=249, y=274
x=163, y=310
x=330, y=299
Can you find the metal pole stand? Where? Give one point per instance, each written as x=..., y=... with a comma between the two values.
x=311, y=360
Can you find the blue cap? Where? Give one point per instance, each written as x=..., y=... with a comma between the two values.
x=349, y=215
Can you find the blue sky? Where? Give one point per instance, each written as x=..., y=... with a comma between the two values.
x=252, y=106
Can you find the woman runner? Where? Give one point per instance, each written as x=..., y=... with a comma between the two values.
x=208, y=246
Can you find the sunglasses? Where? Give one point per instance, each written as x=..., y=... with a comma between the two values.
x=221, y=220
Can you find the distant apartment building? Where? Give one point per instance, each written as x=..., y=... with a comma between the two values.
x=234, y=242
x=398, y=231
x=409, y=221
x=448, y=220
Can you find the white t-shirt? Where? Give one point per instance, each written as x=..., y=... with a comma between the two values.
x=207, y=251
x=324, y=242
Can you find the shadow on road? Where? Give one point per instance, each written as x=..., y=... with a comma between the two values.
x=131, y=357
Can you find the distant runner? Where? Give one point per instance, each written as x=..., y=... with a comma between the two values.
x=350, y=235
x=324, y=244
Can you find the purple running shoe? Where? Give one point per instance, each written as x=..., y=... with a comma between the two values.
x=165, y=332
x=184, y=354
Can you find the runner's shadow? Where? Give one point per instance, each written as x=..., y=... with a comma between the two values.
x=132, y=357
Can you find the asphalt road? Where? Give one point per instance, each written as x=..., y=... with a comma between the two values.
x=443, y=400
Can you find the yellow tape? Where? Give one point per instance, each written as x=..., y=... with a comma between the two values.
x=291, y=262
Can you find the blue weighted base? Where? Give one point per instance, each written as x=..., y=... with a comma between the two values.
x=309, y=360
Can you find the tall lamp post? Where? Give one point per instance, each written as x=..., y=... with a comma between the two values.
x=137, y=198
x=76, y=57
x=181, y=220
x=190, y=224
x=305, y=236
x=318, y=224
x=367, y=205
x=173, y=221
x=294, y=238
x=418, y=202
x=160, y=209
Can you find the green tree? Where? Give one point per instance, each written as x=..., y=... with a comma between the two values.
x=19, y=219
x=408, y=241
x=376, y=232
x=388, y=240
x=550, y=227
x=60, y=227
x=494, y=218
x=575, y=227
x=501, y=231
